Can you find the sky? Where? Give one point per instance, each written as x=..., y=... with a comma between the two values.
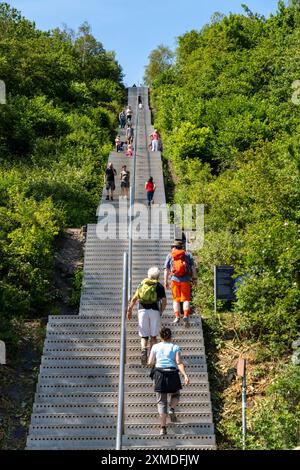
x=133, y=28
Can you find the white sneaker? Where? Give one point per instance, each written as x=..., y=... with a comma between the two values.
x=177, y=320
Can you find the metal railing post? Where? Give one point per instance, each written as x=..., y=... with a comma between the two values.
x=130, y=246
x=120, y=422
x=244, y=407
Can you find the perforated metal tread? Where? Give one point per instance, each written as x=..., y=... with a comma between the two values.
x=76, y=401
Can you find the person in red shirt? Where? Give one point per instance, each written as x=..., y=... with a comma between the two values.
x=150, y=188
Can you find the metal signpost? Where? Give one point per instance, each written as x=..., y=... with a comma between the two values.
x=241, y=372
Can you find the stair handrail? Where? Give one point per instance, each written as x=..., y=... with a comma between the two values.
x=120, y=419
x=126, y=295
x=132, y=199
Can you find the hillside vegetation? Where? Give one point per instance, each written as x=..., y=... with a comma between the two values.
x=63, y=94
x=229, y=114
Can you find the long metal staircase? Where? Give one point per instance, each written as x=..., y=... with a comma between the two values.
x=77, y=392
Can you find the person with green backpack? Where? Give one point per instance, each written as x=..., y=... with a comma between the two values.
x=151, y=296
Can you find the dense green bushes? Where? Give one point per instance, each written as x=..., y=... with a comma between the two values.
x=273, y=423
x=64, y=92
x=231, y=136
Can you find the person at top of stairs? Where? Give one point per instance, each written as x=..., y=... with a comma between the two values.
x=181, y=267
x=128, y=113
x=152, y=300
x=165, y=360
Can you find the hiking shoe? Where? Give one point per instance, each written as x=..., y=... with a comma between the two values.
x=107, y=198
x=186, y=321
x=177, y=320
x=172, y=415
x=144, y=357
x=163, y=431
x=111, y=198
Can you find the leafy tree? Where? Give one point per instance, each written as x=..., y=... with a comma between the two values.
x=160, y=61
x=64, y=94
x=230, y=132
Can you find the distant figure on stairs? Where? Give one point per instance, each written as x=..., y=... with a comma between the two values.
x=122, y=119
x=129, y=134
x=129, y=151
x=152, y=300
x=140, y=103
x=165, y=360
x=128, y=113
x=119, y=144
x=125, y=181
x=150, y=188
x=154, y=140
x=181, y=267
x=109, y=179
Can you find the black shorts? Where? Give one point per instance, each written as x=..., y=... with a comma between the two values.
x=124, y=184
x=110, y=185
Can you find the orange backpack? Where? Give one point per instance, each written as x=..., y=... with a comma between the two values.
x=179, y=264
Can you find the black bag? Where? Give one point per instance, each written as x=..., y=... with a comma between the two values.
x=166, y=381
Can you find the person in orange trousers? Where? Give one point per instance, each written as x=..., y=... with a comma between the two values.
x=180, y=266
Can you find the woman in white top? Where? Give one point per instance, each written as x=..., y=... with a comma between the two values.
x=166, y=357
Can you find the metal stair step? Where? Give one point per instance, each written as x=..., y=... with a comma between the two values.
x=70, y=443
x=106, y=387
x=73, y=430
x=87, y=397
x=73, y=419
x=110, y=378
x=186, y=417
x=174, y=429
x=109, y=430
x=169, y=440
x=111, y=407
x=58, y=368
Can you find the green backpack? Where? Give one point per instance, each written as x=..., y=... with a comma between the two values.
x=146, y=292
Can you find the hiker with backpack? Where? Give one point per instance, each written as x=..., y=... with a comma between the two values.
x=165, y=360
x=151, y=297
x=181, y=267
x=125, y=181
x=150, y=188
